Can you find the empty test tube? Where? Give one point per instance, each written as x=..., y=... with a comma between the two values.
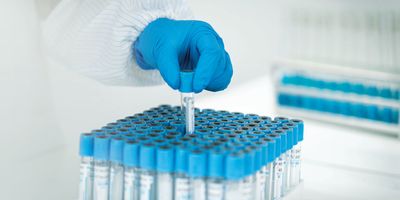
x=165, y=172
x=147, y=172
x=101, y=168
x=197, y=165
x=116, y=169
x=234, y=174
x=131, y=172
x=181, y=182
x=216, y=184
x=86, y=167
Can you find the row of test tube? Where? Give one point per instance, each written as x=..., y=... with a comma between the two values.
x=230, y=156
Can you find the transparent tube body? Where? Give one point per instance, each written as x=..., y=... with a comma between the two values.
x=197, y=189
x=269, y=184
x=147, y=185
x=247, y=187
x=116, y=181
x=233, y=190
x=295, y=167
x=165, y=186
x=215, y=189
x=131, y=183
x=86, y=179
x=181, y=187
x=286, y=172
x=101, y=180
x=277, y=178
x=187, y=101
x=260, y=184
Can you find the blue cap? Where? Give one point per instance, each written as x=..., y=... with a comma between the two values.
x=235, y=166
x=300, y=128
x=257, y=157
x=263, y=145
x=295, y=133
x=181, y=159
x=131, y=153
x=271, y=144
x=147, y=156
x=284, y=139
x=250, y=162
x=186, y=81
x=197, y=163
x=281, y=119
x=216, y=163
x=116, y=149
x=278, y=145
x=101, y=147
x=86, y=144
x=165, y=158
x=289, y=139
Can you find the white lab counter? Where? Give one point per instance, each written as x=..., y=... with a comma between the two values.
x=338, y=162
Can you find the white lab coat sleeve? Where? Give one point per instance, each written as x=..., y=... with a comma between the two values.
x=95, y=37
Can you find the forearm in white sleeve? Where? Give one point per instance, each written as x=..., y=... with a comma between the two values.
x=95, y=37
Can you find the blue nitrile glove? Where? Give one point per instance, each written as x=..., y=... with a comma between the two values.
x=171, y=45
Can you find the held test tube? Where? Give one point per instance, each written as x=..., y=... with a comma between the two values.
x=187, y=99
x=86, y=167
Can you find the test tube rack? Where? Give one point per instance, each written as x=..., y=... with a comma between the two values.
x=230, y=156
x=359, y=98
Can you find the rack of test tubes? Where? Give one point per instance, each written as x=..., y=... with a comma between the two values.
x=230, y=156
x=354, y=97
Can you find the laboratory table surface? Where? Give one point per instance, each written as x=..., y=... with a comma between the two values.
x=338, y=162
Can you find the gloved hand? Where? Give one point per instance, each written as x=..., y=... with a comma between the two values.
x=172, y=45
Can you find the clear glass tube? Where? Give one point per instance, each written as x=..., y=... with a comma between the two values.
x=147, y=185
x=233, y=190
x=187, y=101
x=277, y=178
x=295, y=177
x=260, y=184
x=165, y=186
x=247, y=187
x=101, y=180
x=181, y=187
x=215, y=189
x=116, y=181
x=286, y=172
x=197, y=189
x=131, y=183
x=269, y=184
x=86, y=179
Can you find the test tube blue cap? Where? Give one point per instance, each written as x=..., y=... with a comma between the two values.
x=197, y=163
x=101, y=147
x=131, y=153
x=278, y=145
x=271, y=149
x=147, y=156
x=186, y=85
x=165, y=158
x=300, y=128
x=86, y=145
x=116, y=149
x=181, y=159
x=284, y=139
x=235, y=166
x=250, y=162
x=216, y=163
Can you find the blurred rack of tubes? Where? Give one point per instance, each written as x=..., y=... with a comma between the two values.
x=354, y=97
x=231, y=156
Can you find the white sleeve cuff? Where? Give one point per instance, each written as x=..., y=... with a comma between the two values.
x=95, y=37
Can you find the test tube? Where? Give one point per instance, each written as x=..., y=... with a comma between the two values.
x=131, y=174
x=234, y=173
x=86, y=166
x=248, y=182
x=101, y=168
x=197, y=165
x=165, y=175
x=277, y=168
x=215, y=182
x=268, y=169
x=187, y=99
x=296, y=176
x=147, y=172
x=116, y=169
x=181, y=182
